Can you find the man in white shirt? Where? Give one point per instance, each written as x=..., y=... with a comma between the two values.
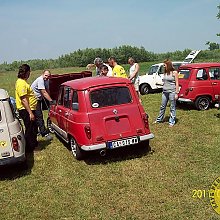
x=41, y=87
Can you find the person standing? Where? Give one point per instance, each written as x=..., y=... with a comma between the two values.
x=117, y=70
x=41, y=87
x=170, y=93
x=98, y=62
x=26, y=104
x=134, y=73
x=103, y=70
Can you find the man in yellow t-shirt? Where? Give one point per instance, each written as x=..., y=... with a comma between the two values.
x=26, y=103
x=24, y=89
x=117, y=70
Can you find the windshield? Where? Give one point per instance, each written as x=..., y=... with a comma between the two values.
x=153, y=69
x=184, y=74
x=110, y=97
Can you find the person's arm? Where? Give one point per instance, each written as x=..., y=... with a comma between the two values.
x=177, y=84
x=45, y=94
x=137, y=67
x=25, y=103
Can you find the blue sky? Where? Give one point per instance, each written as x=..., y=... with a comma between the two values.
x=32, y=29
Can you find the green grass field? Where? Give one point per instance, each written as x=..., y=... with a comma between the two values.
x=130, y=183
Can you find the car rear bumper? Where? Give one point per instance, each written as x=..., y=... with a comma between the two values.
x=184, y=100
x=12, y=160
x=104, y=145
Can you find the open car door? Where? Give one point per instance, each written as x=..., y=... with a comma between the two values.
x=191, y=56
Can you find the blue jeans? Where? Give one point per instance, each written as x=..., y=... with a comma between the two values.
x=168, y=96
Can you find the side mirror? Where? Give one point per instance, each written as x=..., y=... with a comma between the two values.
x=75, y=106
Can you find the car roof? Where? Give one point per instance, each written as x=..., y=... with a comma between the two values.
x=199, y=65
x=3, y=94
x=89, y=82
x=173, y=62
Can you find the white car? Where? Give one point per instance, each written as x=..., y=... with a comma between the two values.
x=12, y=141
x=153, y=80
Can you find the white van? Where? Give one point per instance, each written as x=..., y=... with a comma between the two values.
x=12, y=141
x=152, y=80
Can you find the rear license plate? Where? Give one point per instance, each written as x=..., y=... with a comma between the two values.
x=123, y=142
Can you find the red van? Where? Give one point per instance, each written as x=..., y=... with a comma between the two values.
x=99, y=113
x=199, y=84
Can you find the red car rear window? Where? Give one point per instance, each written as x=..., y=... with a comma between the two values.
x=110, y=96
x=184, y=74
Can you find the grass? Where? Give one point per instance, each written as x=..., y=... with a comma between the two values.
x=130, y=183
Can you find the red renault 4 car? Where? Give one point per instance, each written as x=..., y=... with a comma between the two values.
x=99, y=113
x=199, y=84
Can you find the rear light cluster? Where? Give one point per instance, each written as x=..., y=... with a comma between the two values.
x=145, y=119
x=15, y=144
x=88, y=131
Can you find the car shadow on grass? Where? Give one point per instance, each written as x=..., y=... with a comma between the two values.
x=120, y=154
x=14, y=171
x=185, y=106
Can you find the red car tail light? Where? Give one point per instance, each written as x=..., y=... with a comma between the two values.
x=88, y=131
x=145, y=119
x=15, y=144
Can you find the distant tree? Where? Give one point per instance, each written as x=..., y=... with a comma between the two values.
x=212, y=45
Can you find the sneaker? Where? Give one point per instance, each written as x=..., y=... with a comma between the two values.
x=217, y=105
x=155, y=122
x=170, y=125
x=48, y=137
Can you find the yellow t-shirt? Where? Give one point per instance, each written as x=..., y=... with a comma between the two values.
x=119, y=71
x=23, y=88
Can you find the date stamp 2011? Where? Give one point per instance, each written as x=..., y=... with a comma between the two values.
x=213, y=193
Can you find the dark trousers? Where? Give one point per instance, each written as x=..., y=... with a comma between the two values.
x=30, y=130
x=40, y=119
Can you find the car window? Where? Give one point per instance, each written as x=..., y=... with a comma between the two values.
x=75, y=103
x=67, y=97
x=161, y=70
x=176, y=65
x=60, y=97
x=110, y=97
x=201, y=75
x=184, y=74
x=153, y=69
x=214, y=73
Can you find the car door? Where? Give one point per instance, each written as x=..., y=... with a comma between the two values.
x=159, y=77
x=214, y=73
x=63, y=111
x=202, y=85
x=114, y=113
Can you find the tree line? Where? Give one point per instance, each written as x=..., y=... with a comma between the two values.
x=82, y=57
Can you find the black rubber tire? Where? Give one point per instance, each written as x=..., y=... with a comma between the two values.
x=145, y=89
x=75, y=149
x=202, y=103
x=51, y=130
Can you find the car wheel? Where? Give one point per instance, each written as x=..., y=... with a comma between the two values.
x=49, y=126
x=145, y=89
x=202, y=103
x=76, y=151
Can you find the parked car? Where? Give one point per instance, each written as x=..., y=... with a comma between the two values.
x=12, y=142
x=99, y=113
x=153, y=79
x=199, y=84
